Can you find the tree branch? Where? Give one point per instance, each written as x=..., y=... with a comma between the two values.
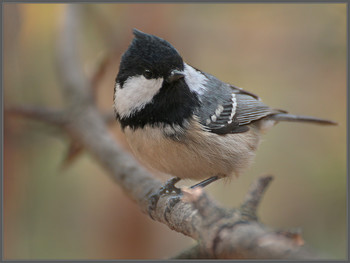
x=221, y=233
x=55, y=117
x=254, y=195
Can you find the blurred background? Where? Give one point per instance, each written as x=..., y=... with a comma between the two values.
x=292, y=55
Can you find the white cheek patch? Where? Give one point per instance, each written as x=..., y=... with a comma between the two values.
x=195, y=79
x=136, y=93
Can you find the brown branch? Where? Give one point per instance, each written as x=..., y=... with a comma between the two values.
x=74, y=150
x=75, y=84
x=99, y=73
x=55, y=117
x=221, y=233
x=254, y=195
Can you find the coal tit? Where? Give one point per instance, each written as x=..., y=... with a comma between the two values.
x=185, y=122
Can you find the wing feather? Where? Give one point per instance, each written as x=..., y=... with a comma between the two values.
x=238, y=110
x=229, y=109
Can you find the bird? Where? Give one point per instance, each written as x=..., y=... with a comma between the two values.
x=187, y=123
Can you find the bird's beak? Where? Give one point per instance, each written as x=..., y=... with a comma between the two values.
x=174, y=76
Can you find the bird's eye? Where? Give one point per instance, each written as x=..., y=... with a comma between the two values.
x=148, y=74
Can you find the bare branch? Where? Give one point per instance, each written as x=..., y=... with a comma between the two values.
x=99, y=73
x=38, y=113
x=75, y=84
x=254, y=195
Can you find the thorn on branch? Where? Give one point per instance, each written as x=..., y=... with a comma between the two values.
x=254, y=195
x=74, y=150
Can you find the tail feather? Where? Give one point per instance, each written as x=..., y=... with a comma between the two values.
x=299, y=118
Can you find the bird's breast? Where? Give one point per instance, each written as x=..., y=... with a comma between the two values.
x=196, y=154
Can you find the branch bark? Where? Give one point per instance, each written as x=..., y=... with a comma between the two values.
x=221, y=233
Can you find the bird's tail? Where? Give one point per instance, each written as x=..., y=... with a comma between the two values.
x=299, y=118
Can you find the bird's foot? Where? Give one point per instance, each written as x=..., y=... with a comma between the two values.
x=167, y=189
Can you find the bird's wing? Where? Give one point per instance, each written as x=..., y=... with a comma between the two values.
x=229, y=109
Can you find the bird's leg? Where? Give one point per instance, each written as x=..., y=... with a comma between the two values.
x=168, y=188
x=205, y=182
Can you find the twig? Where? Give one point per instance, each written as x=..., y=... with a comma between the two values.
x=38, y=113
x=254, y=195
x=99, y=73
x=75, y=84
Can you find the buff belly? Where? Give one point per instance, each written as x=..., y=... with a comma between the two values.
x=192, y=157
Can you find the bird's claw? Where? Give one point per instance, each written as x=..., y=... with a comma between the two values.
x=168, y=188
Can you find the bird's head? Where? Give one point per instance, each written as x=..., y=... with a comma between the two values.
x=149, y=64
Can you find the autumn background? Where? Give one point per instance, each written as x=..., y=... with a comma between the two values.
x=292, y=55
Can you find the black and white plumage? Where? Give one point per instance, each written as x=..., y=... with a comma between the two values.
x=184, y=122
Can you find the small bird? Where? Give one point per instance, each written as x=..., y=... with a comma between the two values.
x=184, y=122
